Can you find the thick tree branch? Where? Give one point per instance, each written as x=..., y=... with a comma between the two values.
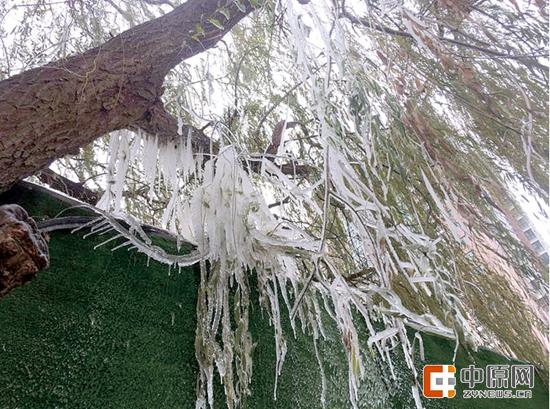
x=67, y=186
x=23, y=249
x=52, y=111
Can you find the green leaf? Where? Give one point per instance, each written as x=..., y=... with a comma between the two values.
x=198, y=32
x=225, y=12
x=215, y=22
x=240, y=6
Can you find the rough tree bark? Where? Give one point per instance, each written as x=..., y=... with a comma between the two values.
x=23, y=249
x=52, y=111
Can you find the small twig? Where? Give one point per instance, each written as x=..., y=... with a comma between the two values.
x=281, y=99
x=326, y=204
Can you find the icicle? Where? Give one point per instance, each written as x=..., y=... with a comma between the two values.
x=416, y=396
x=149, y=160
x=382, y=336
x=322, y=373
x=457, y=233
x=107, y=241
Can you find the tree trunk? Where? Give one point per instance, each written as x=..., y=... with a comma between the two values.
x=23, y=249
x=52, y=111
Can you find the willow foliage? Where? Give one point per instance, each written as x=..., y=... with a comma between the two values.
x=367, y=153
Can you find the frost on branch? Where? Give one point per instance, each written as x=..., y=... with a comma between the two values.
x=372, y=236
x=225, y=213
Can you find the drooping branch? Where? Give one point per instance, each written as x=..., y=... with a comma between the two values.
x=52, y=111
x=528, y=60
